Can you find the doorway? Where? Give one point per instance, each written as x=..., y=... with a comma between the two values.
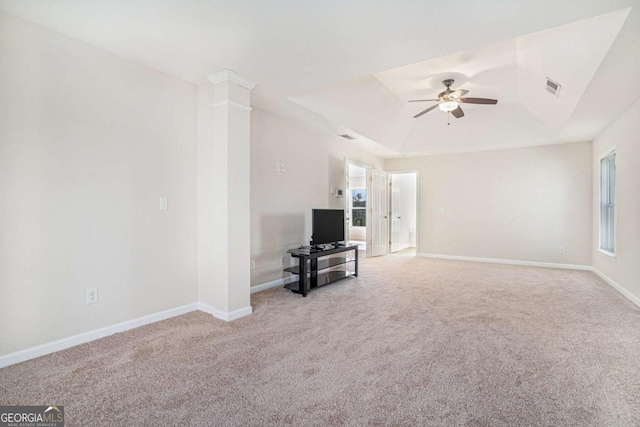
x=403, y=213
x=356, y=204
x=381, y=210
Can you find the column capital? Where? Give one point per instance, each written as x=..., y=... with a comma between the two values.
x=231, y=76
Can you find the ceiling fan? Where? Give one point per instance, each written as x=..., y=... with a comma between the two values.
x=450, y=101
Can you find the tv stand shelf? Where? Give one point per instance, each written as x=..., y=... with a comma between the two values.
x=313, y=268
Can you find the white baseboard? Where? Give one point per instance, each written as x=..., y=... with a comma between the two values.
x=509, y=261
x=64, y=343
x=85, y=337
x=72, y=341
x=634, y=299
x=227, y=316
x=273, y=284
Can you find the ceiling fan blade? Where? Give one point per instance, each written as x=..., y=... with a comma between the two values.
x=425, y=111
x=458, y=93
x=479, y=101
x=423, y=100
x=457, y=113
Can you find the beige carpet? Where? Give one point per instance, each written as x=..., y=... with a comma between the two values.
x=412, y=342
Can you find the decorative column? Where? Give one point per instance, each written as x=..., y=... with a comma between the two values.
x=223, y=195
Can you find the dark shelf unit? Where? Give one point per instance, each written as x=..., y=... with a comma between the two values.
x=323, y=264
x=312, y=265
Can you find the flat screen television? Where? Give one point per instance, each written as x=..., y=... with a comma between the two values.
x=327, y=226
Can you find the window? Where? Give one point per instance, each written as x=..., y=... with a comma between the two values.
x=608, y=203
x=359, y=208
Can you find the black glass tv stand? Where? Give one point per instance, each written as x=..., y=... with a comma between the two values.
x=317, y=268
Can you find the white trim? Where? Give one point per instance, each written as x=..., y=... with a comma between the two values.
x=235, y=104
x=227, y=316
x=231, y=76
x=273, y=284
x=64, y=343
x=509, y=261
x=634, y=299
x=418, y=211
x=347, y=201
x=417, y=172
x=358, y=164
x=606, y=153
x=607, y=253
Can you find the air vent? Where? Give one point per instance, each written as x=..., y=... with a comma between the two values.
x=553, y=87
x=347, y=136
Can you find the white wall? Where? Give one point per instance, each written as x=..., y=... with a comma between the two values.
x=518, y=204
x=88, y=144
x=281, y=203
x=624, y=135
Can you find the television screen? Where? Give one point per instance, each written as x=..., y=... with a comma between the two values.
x=327, y=226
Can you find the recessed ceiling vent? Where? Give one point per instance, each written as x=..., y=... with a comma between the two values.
x=553, y=87
x=347, y=136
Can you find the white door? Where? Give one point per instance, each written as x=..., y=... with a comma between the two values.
x=347, y=202
x=395, y=213
x=379, y=213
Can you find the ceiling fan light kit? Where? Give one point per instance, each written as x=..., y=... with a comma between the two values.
x=449, y=101
x=448, y=105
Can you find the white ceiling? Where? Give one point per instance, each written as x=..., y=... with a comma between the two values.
x=310, y=51
x=514, y=71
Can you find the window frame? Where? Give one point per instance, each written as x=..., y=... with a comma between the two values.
x=351, y=208
x=606, y=252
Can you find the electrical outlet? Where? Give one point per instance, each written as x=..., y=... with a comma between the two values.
x=282, y=259
x=561, y=250
x=253, y=264
x=92, y=296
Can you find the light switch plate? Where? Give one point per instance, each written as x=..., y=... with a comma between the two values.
x=440, y=209
x=163, y=204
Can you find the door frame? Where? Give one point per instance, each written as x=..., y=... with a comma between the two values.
x=347, y=199
x=417, y=173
